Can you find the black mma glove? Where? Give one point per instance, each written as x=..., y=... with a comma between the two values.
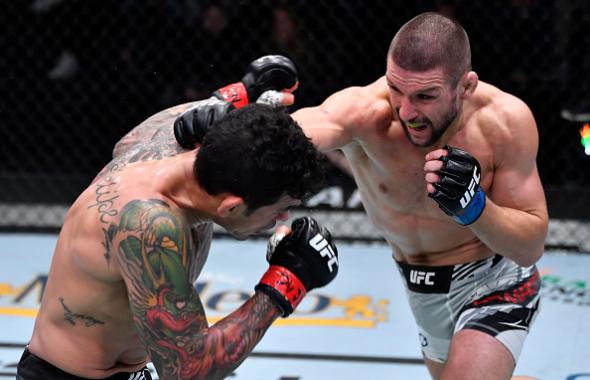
x=457, y=192
x=271, y=72
x=304, y=259
x=191, y=126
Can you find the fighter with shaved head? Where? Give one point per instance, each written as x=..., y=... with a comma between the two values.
x=446, y=168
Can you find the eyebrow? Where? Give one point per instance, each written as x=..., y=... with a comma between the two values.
x=429, y=89
x=421, y=91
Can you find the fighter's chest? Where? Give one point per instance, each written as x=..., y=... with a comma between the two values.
x=402, y=187
x=391, y=178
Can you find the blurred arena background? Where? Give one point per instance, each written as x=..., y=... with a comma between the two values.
x=77, y=75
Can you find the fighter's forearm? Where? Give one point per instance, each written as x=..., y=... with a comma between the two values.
x=213, y=353
x=516, y=234
x=156, y=255
x=230, y=341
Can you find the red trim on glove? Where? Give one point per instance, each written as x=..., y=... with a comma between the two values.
x=235, y=94
x=286, y=283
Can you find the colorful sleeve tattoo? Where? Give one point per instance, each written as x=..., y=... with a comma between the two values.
x=156, y=250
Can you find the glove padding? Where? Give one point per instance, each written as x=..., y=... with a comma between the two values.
x=303, y=260
x=458, y=192
x=271, y=72
x=265, y=77
x=193, y=124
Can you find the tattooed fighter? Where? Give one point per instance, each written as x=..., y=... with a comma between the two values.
x=120, y=289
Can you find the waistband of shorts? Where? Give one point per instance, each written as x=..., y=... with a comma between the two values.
x=437, y=279
x=32, y=367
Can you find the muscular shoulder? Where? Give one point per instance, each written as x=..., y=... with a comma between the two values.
x=502, y=115
x=153, y=138
x=505, y=120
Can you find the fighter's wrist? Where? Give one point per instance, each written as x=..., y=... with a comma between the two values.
x=474, y=210
x=283, y=287
x=235, y=93
x=269, y=300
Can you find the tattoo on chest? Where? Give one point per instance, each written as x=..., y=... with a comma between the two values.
x=72, y=317
x=105, y=199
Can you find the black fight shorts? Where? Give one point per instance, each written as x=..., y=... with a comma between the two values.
x=31, y=367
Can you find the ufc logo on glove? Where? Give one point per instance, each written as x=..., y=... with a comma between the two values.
x=471, y=189
x=301, y=260
x=321, y=245
x=457, y=191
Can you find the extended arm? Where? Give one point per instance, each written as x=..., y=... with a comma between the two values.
x=346, y=116
x=273, y=72
x=328, y=124
x=264, y=78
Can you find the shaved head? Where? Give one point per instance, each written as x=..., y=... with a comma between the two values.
x=432, y=41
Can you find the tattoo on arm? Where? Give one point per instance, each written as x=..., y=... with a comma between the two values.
x=71, y=317
x=156, y=253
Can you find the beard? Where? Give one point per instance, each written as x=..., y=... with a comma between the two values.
x=437, y=130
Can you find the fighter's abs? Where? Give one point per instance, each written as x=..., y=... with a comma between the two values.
x=396, y=201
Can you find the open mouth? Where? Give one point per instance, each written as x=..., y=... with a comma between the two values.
x=416, y=126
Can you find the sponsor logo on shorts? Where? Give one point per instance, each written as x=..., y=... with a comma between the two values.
x=423, y=340
x=419, y=277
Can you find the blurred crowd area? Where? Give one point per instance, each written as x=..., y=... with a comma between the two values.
x=78, y=74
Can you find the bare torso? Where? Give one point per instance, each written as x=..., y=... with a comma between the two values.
x=389, y=172
x=85, y=324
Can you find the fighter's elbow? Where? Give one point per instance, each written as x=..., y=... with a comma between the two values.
x=531, y=258
x=536, y=243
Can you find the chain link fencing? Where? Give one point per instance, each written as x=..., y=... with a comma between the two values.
x=77, y=75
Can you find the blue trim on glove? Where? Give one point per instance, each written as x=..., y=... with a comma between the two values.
x=473, y=210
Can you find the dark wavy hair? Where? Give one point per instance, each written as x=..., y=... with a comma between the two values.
x=259, y=153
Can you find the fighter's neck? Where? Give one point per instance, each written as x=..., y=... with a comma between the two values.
x=456, y=126
x=175, y=180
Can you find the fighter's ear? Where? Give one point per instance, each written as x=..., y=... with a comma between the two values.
x=468, y=84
